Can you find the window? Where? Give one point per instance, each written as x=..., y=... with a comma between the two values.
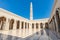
x=54, y=23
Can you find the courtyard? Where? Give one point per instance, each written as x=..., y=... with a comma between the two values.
x=43, y=34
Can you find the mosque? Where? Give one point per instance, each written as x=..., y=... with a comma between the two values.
x=10, y=21
x=54, y=20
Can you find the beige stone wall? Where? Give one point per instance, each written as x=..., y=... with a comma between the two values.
x=9, y=15
x=27, y=24
x=53, y=22
x=55, y=6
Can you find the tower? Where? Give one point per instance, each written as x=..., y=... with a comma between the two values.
x=31, y=11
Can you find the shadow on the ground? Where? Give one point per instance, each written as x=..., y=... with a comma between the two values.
x=9, y=37
x=47, y=31
x=35, y=36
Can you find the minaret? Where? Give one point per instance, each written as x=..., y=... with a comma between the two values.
x=31, y=11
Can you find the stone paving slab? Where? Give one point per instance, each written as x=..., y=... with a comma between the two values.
x=35, y=36
x=52, y=35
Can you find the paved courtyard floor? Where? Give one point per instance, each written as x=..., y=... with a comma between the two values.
x=40, y=35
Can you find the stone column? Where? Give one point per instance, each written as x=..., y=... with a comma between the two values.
x=39, y=26
x=7, y=24
x=24, y=25
x=56, y=23
x=34, y=27
x=19, y=25
x=4, y=25
x=30, y=28
x=0, y=25
x=27, y=25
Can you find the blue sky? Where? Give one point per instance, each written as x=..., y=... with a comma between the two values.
x=41, y=8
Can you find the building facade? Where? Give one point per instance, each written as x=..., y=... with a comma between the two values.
x=10, y=21
x=54, y=20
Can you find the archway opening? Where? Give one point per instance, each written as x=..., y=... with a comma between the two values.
x=41, y=25
x=11, y=24
x=2, y=22
x=36, y=25
x=18, y=24
x=32, y=25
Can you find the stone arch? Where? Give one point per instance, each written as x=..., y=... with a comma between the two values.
x=41, y=25
x=22, y=25
x=25, y=25
x=32, y=25
x=2, y=22
x=11, y=24
x=18, y=24
x=37, y=25
x=46, y=25
x=28, y=25
x=57, y=14
x=58, y=18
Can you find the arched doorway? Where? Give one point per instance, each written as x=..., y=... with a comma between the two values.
x=2, y=22
x=28, y=25
x=36, y=25
x=32, y=25
x=11, y=24
x=54, y=23
x=58, y=19
x=25, y=25
x=46, y=25
x=18, y=24
x=22, y=25
x=41, y=25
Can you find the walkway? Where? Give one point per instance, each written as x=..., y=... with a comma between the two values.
x=41, y=35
